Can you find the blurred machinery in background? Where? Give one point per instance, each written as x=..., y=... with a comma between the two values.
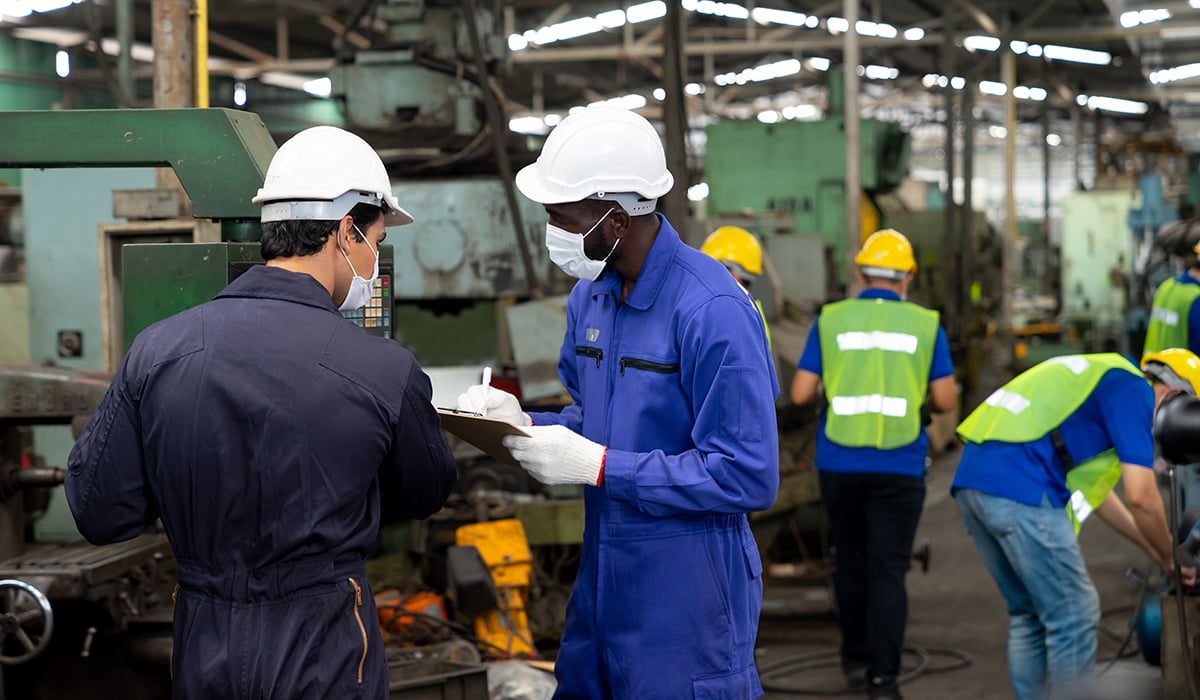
x=797, y=169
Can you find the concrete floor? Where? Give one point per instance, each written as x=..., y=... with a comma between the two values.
x=955, y=606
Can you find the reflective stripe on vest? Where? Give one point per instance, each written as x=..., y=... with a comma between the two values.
x=876, y=355
x=1090, y=483
x=1169, y=314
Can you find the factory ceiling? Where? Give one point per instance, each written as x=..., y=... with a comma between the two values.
x=1137, y=61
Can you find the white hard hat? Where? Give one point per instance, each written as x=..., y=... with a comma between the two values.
x=321, y=173
x=600, y=153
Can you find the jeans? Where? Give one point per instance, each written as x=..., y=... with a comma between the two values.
x=1053, y=608
x=873, y=519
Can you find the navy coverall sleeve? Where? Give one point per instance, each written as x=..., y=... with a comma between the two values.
x=419, y=463
x=734, y=467
x=106, y=476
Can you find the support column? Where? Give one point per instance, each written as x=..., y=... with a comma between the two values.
x=675, y=203
x=1008, y=73
x=173, y=61
x=853, y=145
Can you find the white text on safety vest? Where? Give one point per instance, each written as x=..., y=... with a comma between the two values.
x=877, y=340
x=1167, y=316
x=870, y=403
x=1013, y=403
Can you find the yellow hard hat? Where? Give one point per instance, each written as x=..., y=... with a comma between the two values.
x=1175, y=367
x=887, y=254
x=730, y=244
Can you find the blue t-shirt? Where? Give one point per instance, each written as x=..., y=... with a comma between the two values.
x=908, y=460
x=1117, y=415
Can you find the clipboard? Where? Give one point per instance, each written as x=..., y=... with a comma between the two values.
x=482, y=432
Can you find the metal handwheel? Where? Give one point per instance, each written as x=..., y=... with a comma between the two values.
x=26, y=622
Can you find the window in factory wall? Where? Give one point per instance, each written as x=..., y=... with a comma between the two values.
x=62, y=64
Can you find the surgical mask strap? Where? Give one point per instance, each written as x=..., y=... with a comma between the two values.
x=347, y=257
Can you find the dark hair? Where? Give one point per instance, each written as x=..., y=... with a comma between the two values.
x=288, y=239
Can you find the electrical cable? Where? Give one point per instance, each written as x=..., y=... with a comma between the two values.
x=829, y=658
x=1137, y=611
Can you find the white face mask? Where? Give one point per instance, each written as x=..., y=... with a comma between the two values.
x=360, y=289
x=566, y=251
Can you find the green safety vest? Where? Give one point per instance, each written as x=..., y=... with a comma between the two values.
x=1168, y=327
x=1036, y=403
x=876, y=355
x=763, y=316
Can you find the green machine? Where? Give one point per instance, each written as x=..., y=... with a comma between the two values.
x=798, y=169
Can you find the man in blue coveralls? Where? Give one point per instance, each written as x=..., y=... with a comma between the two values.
x=874, y=358
x=263, y=428
x=1042, y=452
x=672, y=431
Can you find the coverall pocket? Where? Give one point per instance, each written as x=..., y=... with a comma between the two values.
x=729, y=686
x=740, y=411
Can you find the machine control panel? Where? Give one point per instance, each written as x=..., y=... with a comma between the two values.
x=376, y=316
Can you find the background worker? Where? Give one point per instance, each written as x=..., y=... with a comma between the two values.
x=672, y=432
x=263, y=428
x=1175, y=311
x=1015, y=486
x=876, y=356
x=740, y=252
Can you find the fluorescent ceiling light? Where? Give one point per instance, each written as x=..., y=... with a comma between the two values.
x=694, y=88
x=1116, y=104
x=997, y=132
x=1076, y=55
x=1170, y=75
x=804, y=112
x=1053, y=139
x=62, y=63
x=1133, y=18
x=646, y=11
x=528, y=125
x=837, y=25
x=769, y=116
x=768, y=71
x=321, y=87
x=698, y=192
x=981, y=43
x=917, y=34
x=660, y=94
x=819, y=63
x=874, y=72
x=991, y=87
x=552, y=119
x=958, y=82
x=766, y=15
x=1018, y=47
x=718, y=9
x=1169, y=32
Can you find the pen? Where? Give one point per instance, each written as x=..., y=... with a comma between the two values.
x=487, y=382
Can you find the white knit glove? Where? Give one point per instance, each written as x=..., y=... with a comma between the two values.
x=494, y=403
x=555, y=454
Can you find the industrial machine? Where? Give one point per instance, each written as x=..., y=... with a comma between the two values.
x=800, y=171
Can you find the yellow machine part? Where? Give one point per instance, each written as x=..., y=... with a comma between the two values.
x=505, y=549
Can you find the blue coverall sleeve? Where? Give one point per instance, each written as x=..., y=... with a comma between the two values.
x=1194, y=327
x=734, y=466
x=419, y=470
x=106, y=483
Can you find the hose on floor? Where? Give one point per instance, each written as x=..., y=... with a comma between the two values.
x=771, y=674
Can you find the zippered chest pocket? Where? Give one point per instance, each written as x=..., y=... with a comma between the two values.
x=637, y=363
x=590, y=352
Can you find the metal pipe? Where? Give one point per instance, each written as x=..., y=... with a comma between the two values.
x=1008, y=72
x=499, y=129
x=173, y=67
x=1077, y=147
x=675, y=202
x=201, y=39
x=699, y=48
x=950, y=289
x=853, y=133
x=967, y=212
x=124, y=22
x=1046, y=154
x=282, y=39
